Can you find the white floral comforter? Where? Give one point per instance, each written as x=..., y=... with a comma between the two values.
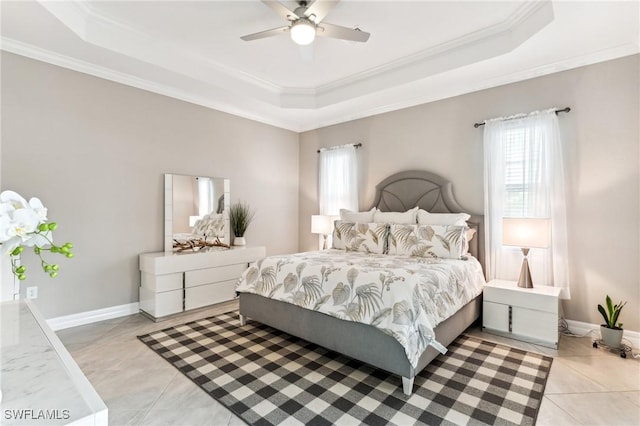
x=405, y=297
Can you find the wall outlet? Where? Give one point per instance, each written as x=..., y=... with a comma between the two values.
x=32, y=292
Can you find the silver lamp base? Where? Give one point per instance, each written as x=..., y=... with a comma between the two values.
x=525, y=275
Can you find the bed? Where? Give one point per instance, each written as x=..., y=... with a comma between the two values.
x=375, y=345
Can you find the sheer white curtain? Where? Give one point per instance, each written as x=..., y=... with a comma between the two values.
x=524, y=177
x=338, y=180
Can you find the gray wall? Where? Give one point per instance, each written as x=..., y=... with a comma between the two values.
x=602, y=135
x=95, y=152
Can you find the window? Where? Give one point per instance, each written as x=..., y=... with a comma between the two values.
x=338, y=182
x=524, y=177
x=521, y=171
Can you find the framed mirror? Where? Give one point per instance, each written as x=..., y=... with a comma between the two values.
x=196, y=211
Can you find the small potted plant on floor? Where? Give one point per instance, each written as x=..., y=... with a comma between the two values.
x=611, y=330
x=240, y=216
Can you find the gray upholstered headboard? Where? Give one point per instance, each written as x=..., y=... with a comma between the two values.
x=405, y=190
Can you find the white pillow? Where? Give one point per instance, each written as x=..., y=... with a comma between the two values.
x=408, y=217
x=456, y=219
x=361, y=217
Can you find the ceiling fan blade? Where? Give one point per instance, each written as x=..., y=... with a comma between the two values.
x=264, y=34
x=281, y=10
x=320, y=8
x=344, y=33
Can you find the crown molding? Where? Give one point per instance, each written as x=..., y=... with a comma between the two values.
x=44, y=55
x=539, y=11
x=313, y=121
x=427, y=96
x=100, y=29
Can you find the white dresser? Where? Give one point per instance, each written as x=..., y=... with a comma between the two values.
x=175, y=282
x=528, y=314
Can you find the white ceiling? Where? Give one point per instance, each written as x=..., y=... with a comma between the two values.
x=419, y=51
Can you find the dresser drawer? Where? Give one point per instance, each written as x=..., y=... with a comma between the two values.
x=213, y=275
x=203, y=295
x=161, y=304
x=161, y=283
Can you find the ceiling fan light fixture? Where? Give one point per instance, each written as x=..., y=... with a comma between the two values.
x=303, y=32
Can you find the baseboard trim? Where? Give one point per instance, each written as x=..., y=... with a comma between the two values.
x=82, y=318
x=580, y=328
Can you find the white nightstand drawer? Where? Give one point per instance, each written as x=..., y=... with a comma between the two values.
x=523, y=297
x=535, y=325
x=495, y=316
x=521, y=313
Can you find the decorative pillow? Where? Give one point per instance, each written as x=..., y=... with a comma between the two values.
x=426, y=218
x=408, y=217
x=211, y=225
x=364, y=237
x=361, y=217
x=443, y=241
x=468, y=236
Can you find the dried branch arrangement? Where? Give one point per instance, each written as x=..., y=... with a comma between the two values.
x=198, y=244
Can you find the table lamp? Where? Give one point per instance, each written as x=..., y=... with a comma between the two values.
x=323, y=225
x=526, y=233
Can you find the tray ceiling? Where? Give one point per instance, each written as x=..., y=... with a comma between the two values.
x=419, y=51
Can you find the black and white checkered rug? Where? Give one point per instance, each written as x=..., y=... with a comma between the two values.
x=268, y=377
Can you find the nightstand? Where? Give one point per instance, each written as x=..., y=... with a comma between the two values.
x=527, y=314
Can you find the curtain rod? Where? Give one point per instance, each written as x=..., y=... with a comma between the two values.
x=355, y=145
x=476, y=125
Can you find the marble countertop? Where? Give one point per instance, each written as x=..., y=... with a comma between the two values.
x=40, y=381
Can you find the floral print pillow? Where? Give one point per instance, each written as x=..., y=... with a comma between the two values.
x=364, y=237
x=441, y=241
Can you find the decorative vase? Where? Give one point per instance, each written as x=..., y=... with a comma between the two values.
x=611, y=337
x=239, y=241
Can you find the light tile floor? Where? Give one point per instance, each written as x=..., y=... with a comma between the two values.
x=586, y=386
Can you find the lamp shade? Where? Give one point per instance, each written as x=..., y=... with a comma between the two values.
x=526, y=232
x=303, y=32
x=321, y=224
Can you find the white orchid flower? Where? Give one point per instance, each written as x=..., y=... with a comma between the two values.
x=6, y=209
x=39, y=208
x=25, y=222
x=6, y=226
x=13, y=199
x=20, y=224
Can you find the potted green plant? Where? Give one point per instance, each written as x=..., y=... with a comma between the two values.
x=611, y=331
x=240, y=216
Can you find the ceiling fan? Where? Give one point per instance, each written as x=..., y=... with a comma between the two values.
x=305, y=22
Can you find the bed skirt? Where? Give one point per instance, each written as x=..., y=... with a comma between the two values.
x=360, y=341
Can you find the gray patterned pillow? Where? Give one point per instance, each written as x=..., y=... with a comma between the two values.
x=364, y=237
x=444, y=241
